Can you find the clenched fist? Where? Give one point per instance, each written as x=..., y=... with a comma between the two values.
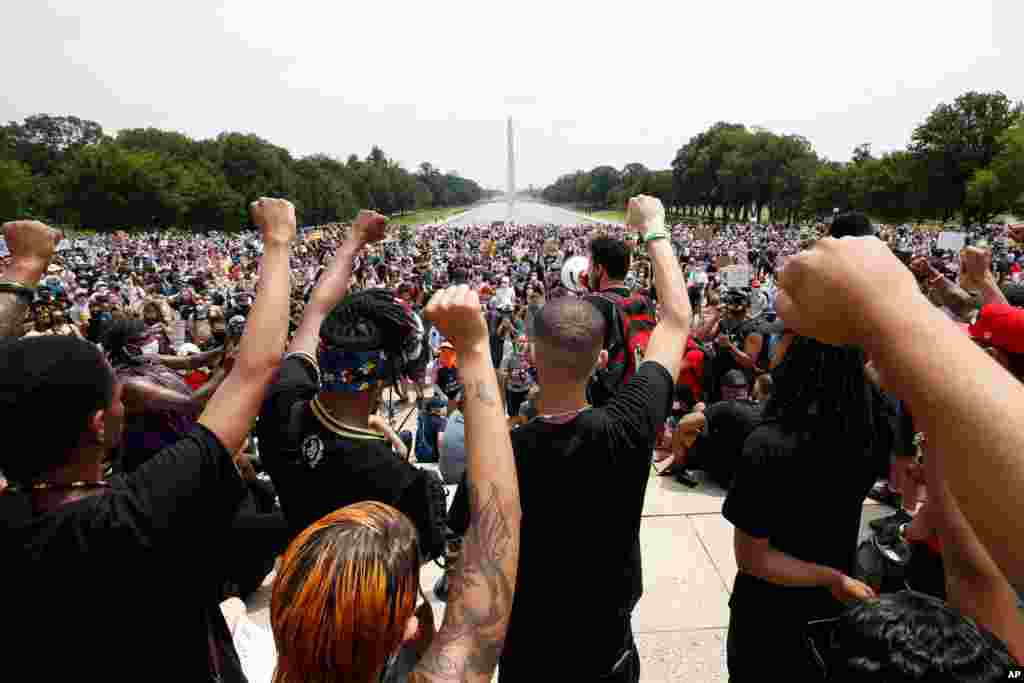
x=645, y=214
x=275, y=218
x=850, y=591
x=975, y=267
x=369, y=227
x=830, y=291
x=31, y=244
x=456, y=313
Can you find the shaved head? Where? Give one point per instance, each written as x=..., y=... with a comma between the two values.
x=569, y=333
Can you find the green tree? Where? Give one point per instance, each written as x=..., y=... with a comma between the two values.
x=957, y=140
x=15, y=189
x=42, y=141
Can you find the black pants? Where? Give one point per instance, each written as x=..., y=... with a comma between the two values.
x=764, y=647
x=626, y=668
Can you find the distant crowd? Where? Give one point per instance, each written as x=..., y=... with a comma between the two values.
x=194, y=413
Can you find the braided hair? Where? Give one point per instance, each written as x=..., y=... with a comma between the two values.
x=375, y=320
x=822, y=391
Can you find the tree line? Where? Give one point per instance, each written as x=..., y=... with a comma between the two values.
x=68, y=171
x=965, y=161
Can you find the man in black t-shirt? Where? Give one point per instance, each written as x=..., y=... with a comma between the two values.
x=314, y=433
x=75, y=539
x=609, y=265
x=603, y=456
x=739, y=341
x=796, y=553
x=719, y=447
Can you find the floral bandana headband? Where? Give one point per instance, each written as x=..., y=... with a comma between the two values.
x=350, y=372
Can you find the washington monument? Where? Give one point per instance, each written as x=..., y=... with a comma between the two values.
x=511, y=191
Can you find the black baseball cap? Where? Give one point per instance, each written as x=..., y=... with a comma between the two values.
x=851, y=224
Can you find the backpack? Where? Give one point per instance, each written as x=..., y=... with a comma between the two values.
x=633, y=320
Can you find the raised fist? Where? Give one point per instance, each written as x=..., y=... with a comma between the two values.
x=975, y=266
x=369, y=227
x=1017, y=232
x=456, y=313
x=275, y=218
x=31, y=244
x=645, y=214
x=828, y=291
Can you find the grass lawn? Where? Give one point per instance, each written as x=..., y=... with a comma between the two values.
x=618, y=216
x=425, y=216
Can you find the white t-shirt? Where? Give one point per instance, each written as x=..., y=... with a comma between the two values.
x=504, y=297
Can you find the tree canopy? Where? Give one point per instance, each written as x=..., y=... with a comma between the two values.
x=966, y=159
x=67, y=170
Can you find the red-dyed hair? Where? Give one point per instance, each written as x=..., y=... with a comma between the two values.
x=345, y=589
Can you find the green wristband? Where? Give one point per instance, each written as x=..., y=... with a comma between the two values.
x=655, y=235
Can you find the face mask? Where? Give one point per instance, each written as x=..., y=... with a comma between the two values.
x=151, y=348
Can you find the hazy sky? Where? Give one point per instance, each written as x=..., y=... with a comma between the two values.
x=587, y=82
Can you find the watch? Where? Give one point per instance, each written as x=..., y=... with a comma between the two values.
x=24, y=291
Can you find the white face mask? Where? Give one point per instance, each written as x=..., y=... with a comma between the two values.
x=151, y=348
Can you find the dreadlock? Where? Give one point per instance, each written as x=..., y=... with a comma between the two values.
x=821, y=390
x=373, y=320
x=117, y=336
x=368, y=320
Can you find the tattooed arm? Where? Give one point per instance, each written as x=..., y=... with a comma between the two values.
x=481, y=588
x=31, y=244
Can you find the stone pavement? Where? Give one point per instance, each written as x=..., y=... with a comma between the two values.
x=689, y=566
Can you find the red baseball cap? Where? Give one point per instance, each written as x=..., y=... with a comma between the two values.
x=1001, y=326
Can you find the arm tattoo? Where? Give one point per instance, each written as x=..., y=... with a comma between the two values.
x=484, y=392
x=480, y=597
x=12, y=315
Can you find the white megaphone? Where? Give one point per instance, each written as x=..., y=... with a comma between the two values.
x=574, y=272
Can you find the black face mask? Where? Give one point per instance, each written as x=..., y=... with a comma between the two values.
x=220, y=337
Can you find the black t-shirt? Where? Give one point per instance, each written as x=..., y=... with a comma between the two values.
x=820, y=525
x=582, y=487
x=318, y=464
x=126, y=581
x=737, y=331
x=719, y=449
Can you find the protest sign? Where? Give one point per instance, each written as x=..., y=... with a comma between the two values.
x=951, y=241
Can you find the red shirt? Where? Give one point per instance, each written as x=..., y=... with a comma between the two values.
x=196, y=379
x=692, y=372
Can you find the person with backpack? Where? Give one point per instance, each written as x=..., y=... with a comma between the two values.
x=629, y=318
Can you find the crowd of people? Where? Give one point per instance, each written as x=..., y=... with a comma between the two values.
x=194, y=412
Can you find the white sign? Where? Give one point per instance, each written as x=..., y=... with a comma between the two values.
x=952, y=241
x=736, y=276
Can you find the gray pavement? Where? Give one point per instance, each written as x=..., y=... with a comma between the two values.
x=689, y=567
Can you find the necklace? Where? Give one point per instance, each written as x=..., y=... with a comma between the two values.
x=56, y=485
x=562, y=418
